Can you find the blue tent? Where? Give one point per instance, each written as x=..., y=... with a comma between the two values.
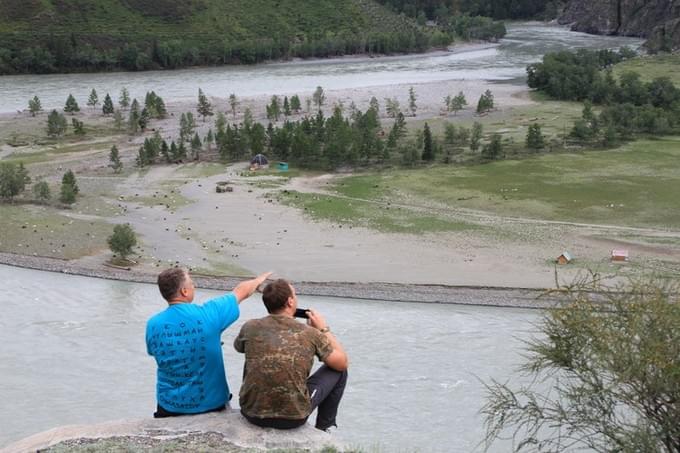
x=259, y=159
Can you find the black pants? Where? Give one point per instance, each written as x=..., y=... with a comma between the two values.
x=326, y=387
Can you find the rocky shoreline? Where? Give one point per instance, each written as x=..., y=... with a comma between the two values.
x=395, y=292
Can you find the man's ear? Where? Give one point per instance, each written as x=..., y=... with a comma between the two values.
x=290, y=302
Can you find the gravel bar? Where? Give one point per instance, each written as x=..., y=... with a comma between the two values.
x=396, y=292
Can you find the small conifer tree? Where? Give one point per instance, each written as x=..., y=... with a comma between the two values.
x=107, y=107
x=71, y=105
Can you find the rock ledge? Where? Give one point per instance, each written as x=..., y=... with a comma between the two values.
x=224, y=431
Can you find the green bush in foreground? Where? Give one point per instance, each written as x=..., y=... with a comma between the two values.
x=605, y=376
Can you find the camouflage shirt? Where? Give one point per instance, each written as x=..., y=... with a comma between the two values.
x=279, y=357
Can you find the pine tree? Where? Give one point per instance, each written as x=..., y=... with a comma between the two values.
x=457, y=103
x=144, y=117
x=34, y=105
x=70, y=179
x=107, y=107
x=220, y=122
x=181, y=151
x=161, y=110
x=535, y=138
x=494, y=148
x=69, y=188
x=209, y=139
x=114, y=159
x=142, y=159
x=41, y=191
x=122, y=240
x=274, y=109
x=373, y=104
x=204, y=107
x=319, y=97
x=174, y=152
x=124, y=100
x=196, y=146
x=428, y=145
x=78, y=127
x=485, y=103
x=71, y=105
x=233, y=103
x=412, y=101
x=295, y=104
x=165, y=151
x=133, y=117
x=13, y=179
x=56, y=124
x=476, y=136
x=392, y=107
x=93, y=100
x=286, y=106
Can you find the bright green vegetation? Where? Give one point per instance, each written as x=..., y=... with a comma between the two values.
x=651, y=67
x=592, y=370
x=382, y=216
x=43, y=231
x=631, y=186
x=54, y=151
x=41, y=36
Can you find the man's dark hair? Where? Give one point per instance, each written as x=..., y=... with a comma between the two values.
x=276, y=294
x=170, y=281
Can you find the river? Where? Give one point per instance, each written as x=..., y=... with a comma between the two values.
x=525, y=43
x=73, y=352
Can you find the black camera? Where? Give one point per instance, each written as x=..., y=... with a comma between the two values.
x=301, y=313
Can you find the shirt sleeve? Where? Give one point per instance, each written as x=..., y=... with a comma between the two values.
x=322, y=345
x=240, y=340
x=223, y=310
x=148, y=340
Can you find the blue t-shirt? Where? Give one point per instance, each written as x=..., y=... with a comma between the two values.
x=185, y=340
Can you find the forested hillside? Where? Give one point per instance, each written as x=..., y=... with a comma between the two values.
x=497, y=9
x=42, y=36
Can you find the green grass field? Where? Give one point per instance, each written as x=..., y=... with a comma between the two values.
x=652, y=66
x=634, y=185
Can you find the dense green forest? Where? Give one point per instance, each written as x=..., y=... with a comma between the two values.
x=496, y=9
x=43, y=36
x=628, y=106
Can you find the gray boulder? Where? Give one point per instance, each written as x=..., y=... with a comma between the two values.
x=225, y=431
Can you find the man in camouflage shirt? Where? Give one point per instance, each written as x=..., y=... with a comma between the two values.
x=277, y=390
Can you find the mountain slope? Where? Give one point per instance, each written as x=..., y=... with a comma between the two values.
x=63, y=35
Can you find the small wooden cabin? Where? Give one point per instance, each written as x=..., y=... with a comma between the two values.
x=564, y=258
x=620, y=255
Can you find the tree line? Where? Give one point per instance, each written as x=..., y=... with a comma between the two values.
x=628, y=106
x=62, y=54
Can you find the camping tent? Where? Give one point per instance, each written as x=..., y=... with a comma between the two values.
x=260, y=160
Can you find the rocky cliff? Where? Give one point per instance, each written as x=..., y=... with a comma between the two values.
x=657, y=20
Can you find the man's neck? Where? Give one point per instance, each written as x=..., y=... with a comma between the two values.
x=178, y=301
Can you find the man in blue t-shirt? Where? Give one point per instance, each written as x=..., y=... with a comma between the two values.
x=185, y=340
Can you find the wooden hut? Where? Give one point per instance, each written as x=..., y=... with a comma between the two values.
x=564, y=258
x=620, y=255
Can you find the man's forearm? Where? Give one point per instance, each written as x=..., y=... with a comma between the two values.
x=246, y=289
